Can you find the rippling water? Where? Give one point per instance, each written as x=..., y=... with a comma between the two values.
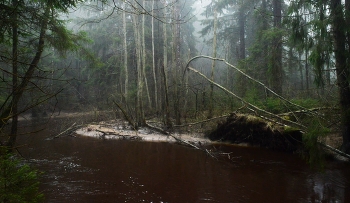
x=83, y=169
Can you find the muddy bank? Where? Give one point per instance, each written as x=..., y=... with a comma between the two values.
x=239, y=128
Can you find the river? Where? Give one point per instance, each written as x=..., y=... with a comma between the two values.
x=84, y=169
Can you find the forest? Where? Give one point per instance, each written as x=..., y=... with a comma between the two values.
x=169, y=60
x=180, y=62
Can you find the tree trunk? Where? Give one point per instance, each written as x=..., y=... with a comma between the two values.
x=176, y=61
x=301, y=72
x=153, y=62
x=144, y=57
x=14, y=125
x=277, y=71
x=19, y=90
x=211, y=96
x=164, y=70
x=126, y=87
x=341, y=70
x=241, y=21
x=307, y=75
x=139, y=104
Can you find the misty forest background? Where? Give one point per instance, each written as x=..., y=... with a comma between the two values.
x=133, y=55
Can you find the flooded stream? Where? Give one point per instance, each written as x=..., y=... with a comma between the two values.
x=84, y=169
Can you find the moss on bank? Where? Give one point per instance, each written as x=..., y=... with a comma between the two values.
x=242, y=128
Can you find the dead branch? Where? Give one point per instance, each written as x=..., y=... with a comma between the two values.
x=305, y=111
x=255, y=108
x=156, y=129
x=185, y=142
x=203, y=121
x=246, y=75
x=335, y=150
x=69, y=130
x=131, y=122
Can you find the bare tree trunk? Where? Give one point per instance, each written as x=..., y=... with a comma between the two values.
x=139, y=104
x=307, y=77
x=125, y=55
x=277, y=71
x=144, y=56
x=153, y=63
x=164, y=70
x=301, y=73
x=176, y=64
x=211, y=99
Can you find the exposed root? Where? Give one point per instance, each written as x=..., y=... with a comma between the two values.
x=239, y=128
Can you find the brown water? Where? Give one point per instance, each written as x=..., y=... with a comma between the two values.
x=83, y=169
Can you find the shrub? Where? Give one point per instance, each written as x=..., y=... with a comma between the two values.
x=18, y=182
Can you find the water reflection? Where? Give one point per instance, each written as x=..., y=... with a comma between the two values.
x=81, y=169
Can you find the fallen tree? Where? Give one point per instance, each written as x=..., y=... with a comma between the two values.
x=265, y=129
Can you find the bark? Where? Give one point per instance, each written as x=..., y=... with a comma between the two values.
x=144, y=57
x=211, y=102
x=342, y=70
x=153, y=62
x=307, y=75
x=301, y=72
x=277, y=71
x=125, y=55
x=241, y=21
x=176, y=61
x=164, y=71
x=178, y=65
x=139, y=104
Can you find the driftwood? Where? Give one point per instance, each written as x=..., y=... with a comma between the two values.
x=124, y=137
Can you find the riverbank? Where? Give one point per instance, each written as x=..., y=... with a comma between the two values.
x=119, y=129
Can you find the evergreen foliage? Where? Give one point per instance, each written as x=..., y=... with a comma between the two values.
x=18, y=181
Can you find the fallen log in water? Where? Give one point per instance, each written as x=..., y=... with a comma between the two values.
x=241, y=128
